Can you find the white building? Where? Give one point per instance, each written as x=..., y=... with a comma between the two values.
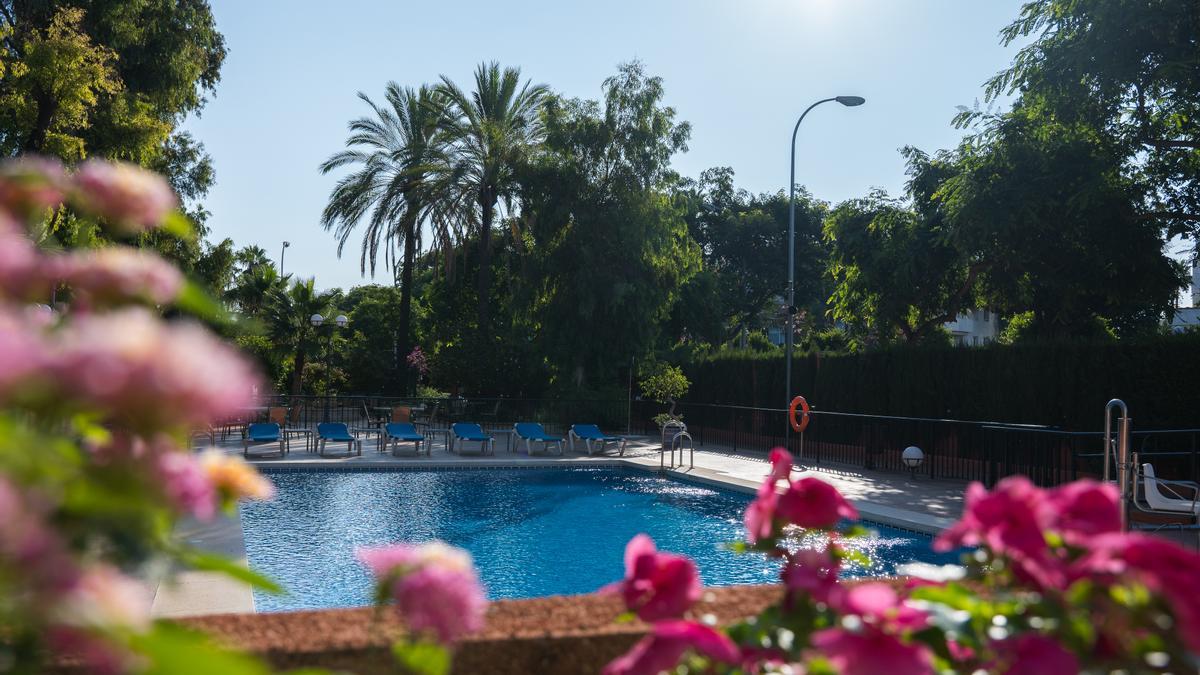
x=1188, y=318
x=975, y=327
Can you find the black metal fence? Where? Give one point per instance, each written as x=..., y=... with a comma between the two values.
x=953, y=449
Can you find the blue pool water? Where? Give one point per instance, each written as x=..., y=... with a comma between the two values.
x=532, y=532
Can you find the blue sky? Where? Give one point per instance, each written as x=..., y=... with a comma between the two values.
x=740, y=71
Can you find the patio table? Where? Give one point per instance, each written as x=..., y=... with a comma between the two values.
x=307, y=433
x=377, y=432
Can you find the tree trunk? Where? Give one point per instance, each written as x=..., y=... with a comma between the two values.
x=485, y=262
x=406, y=275
x=297, y=371
x=36, y=141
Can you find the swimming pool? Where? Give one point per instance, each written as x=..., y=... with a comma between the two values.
x=532, y=532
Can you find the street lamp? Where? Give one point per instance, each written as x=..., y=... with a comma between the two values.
x=317, y=321
x=283, y=250
x=850, y=102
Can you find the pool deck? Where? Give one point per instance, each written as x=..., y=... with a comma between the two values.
x=892, y=499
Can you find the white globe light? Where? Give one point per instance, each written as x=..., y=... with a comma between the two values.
x=912, y=456
x=342, y=320
x=317, y=320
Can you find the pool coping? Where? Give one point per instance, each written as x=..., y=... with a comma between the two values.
x=193, y=593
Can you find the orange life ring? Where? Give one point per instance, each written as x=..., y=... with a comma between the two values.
x=803, y=405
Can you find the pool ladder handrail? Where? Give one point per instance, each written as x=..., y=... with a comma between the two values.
x=676, y=442
x=1116, y=454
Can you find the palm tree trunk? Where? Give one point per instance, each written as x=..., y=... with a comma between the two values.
x=297, y=371
x=406, y=275
x=485, y=262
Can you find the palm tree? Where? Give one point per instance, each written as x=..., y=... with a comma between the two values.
x=390, y=192
x=288, y=323
x=489, y=132
x=253, y=288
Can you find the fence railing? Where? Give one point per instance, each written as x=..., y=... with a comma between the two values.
x=953, y=449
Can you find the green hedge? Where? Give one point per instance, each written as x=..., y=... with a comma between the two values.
x=1065, y=384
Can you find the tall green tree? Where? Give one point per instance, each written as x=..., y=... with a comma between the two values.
x=1129, y=71
x=1049, y=211
x=395, y=152
x=289, y=327
x=610, y=245
x=490, y=131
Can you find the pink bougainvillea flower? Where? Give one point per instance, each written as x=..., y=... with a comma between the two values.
x=25, y=274
x=781, y=465
x=760, y=515
x=879, y=604
x=149, y=375
x=1033, y=654
x=871, y=652
x=812, y=503
x=129, y=198
x=118, y=274
x=232, y=478
x=186, y=484
x=1163, y=566
x=814, y=573
x=1081, y=510
x=23, y=356
x=435, y=587
x=666, y=644
x=30, y=185
x=105, y=599
x=657, y=585
x=38, y=557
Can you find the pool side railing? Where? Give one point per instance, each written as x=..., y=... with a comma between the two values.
x=954, y=449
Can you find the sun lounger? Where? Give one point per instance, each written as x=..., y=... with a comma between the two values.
x=590, y=434
x=396, y=433
x=267, y=432
x=465, y=432
x=532, y=432
x=338, y=433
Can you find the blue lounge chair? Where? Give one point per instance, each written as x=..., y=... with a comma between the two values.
x=467, y=431
x=263, y=433
x=590, y=433
x=403, y=432
x=532, y=432
x=338, y=433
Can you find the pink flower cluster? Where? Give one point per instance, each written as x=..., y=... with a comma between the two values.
x=435, y=587
x=144, y=374
x=118, y=274
x=809, y=503
x=662, y=587
x=418, y=361
x=1013, y=520
x=129, y=198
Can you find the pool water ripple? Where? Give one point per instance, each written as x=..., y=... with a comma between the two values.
x=532, y=532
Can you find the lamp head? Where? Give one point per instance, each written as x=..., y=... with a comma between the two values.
x=287, y=244
x=851, y=101
x=316, y=320
x=342, y=320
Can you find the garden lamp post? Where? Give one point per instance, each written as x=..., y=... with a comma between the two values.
x=283, y=250
x=340, y=322
x=849, y=101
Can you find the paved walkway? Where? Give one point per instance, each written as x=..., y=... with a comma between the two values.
x=888, y=498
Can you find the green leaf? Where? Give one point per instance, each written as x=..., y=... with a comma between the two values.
x=211, y=562
x=172, y=650
x=195, y=301
x=625, y=617
x=422, y=658
x=178, y=224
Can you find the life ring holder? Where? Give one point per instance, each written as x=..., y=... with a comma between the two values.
x=802, y=424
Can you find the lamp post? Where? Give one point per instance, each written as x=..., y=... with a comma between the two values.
x=340, y=322
x=283, y=250
x=849, y=101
